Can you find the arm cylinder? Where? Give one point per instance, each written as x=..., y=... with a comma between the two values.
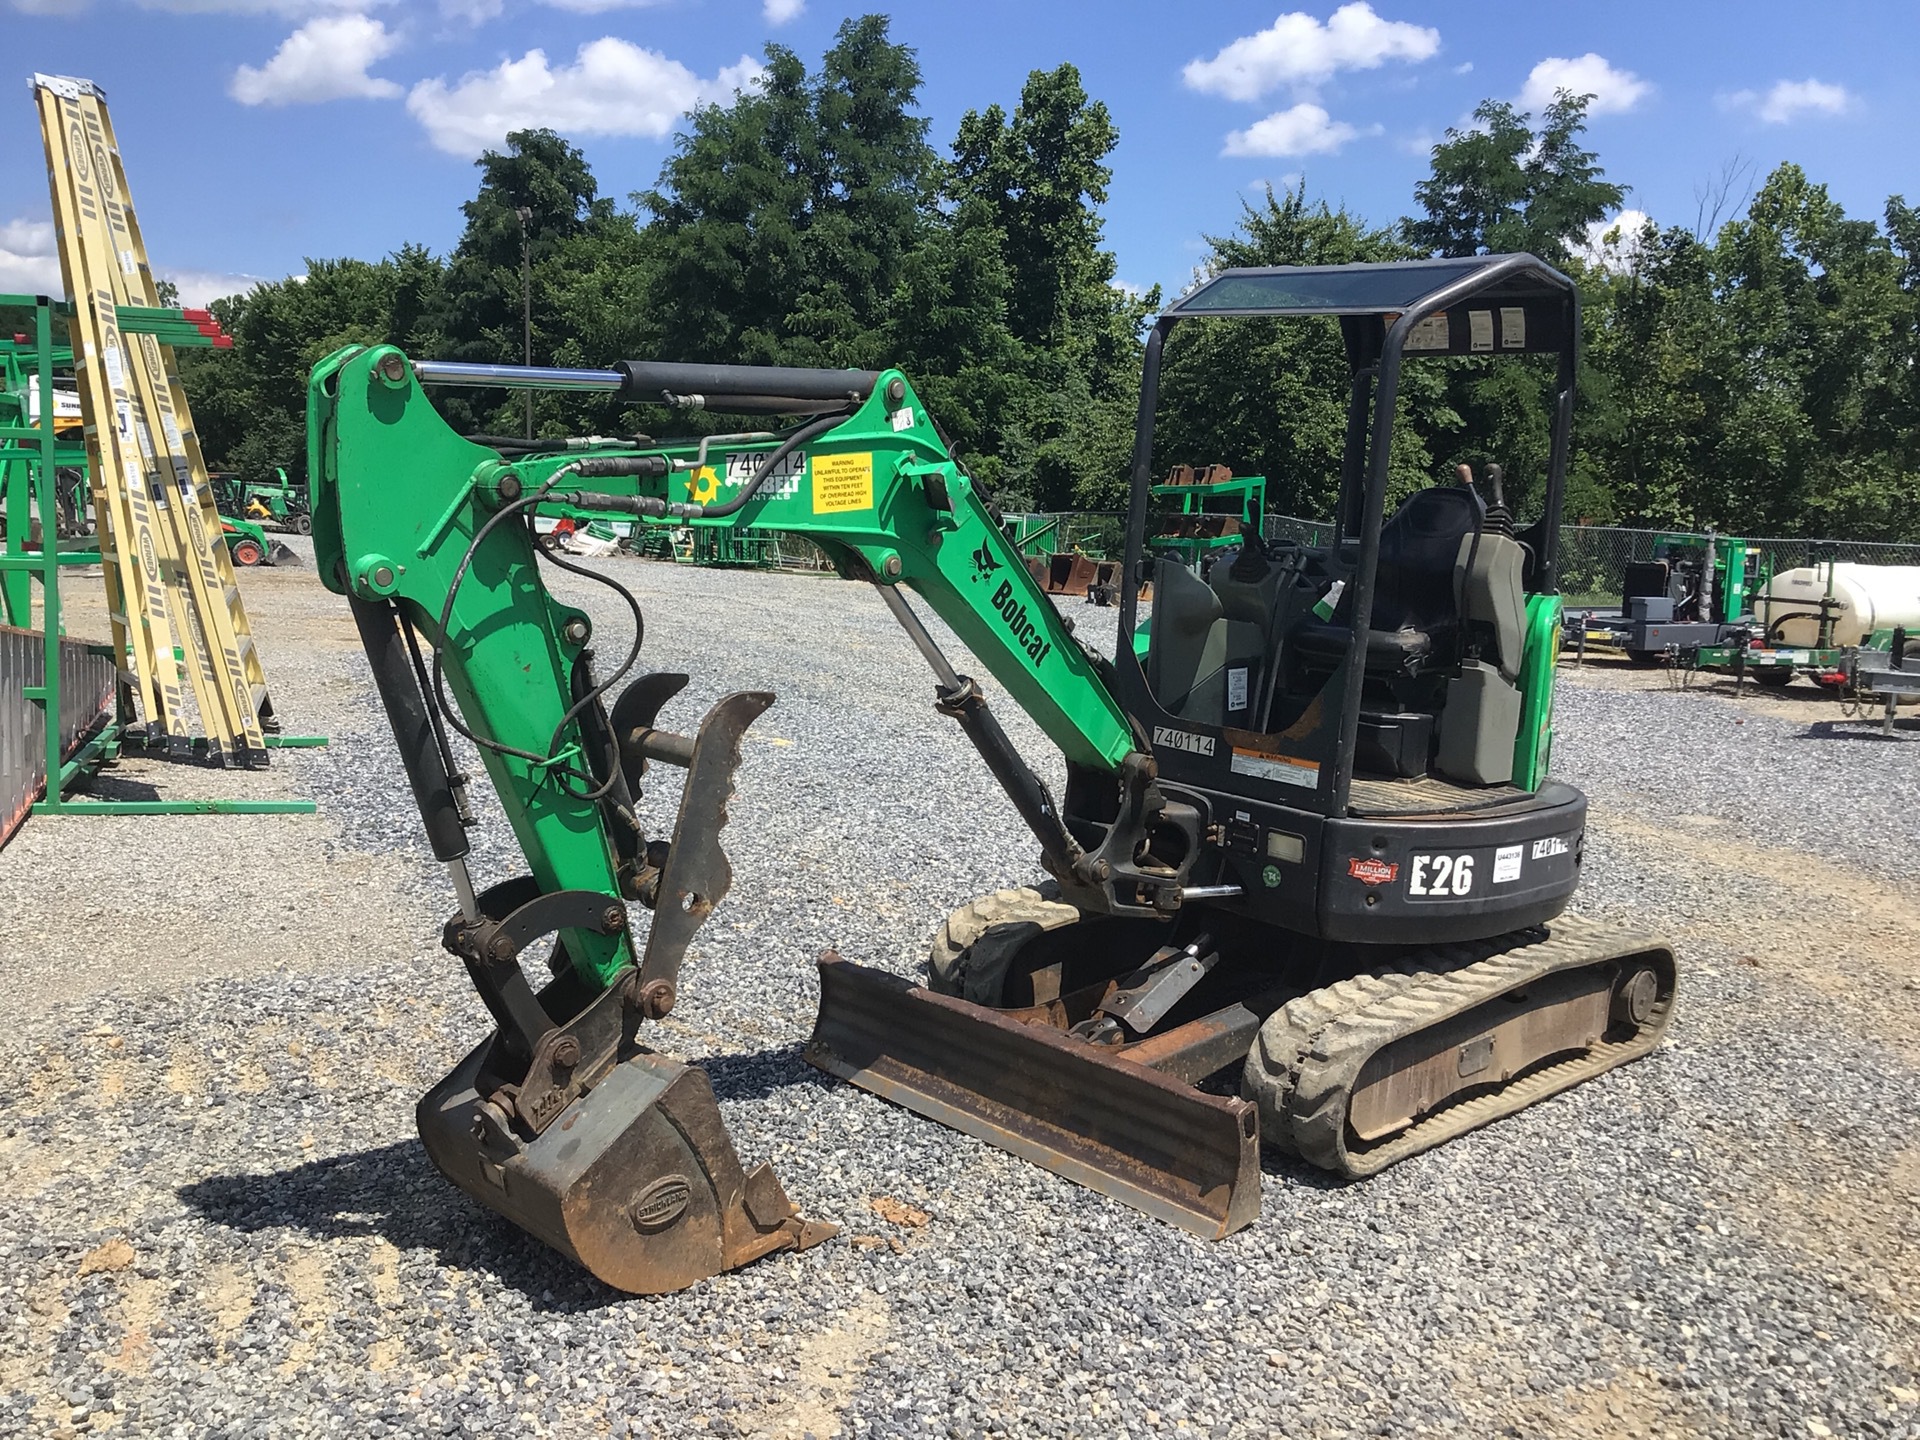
x=412, y=726
x=653, y=380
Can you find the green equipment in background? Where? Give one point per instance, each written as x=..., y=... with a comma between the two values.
x=39, y=462
x=1203, y=510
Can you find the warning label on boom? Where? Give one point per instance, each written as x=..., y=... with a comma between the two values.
x=842, y=482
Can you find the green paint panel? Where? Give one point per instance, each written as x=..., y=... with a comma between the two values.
x=1533, y=748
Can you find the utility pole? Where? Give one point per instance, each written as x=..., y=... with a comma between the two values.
x=523, y=214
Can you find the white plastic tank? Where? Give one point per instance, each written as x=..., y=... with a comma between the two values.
x=1866, y=598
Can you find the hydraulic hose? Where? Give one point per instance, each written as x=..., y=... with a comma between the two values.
x=780, y=452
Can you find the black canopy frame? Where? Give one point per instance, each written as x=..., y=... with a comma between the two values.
x=1480, y=304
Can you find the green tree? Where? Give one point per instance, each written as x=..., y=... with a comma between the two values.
x=782, y=220
x=1501, y=185
x=1034, y=181
x=249, y=404
x=538, y=206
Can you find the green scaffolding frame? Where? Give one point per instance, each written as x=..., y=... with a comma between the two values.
x=30, y=457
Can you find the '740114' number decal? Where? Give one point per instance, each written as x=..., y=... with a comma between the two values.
x=1440, y=875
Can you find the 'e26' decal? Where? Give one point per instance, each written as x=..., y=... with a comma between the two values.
x=1441, y=875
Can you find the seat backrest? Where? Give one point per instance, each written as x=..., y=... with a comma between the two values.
x=1185, y=643
x=1420, y=547
x=1490, y=592
x=1246, y=585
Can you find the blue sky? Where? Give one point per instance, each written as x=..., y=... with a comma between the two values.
x=260, y=132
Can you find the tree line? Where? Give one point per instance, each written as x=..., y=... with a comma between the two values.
x=1761, y=375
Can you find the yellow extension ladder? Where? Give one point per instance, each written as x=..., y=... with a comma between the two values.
x=170, y=584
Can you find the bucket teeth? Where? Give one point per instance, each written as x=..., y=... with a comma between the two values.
x=638, y=1181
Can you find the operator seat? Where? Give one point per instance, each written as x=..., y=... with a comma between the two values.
x=1416, y=608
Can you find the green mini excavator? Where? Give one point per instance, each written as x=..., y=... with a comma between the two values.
x=1304, y=886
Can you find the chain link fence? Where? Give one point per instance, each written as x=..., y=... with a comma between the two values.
x=1593, y=558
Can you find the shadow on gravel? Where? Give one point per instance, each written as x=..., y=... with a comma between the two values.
x=117, y=787
x=394, y=1192
x=763, y=1073
x=1864, y=729
x=1298, y=1173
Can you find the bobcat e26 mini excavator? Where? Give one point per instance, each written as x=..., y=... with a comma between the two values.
x=1306, y=879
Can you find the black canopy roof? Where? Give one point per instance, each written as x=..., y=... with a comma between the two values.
x=1388, y=288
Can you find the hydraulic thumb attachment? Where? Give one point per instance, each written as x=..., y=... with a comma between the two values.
x=563, y=1121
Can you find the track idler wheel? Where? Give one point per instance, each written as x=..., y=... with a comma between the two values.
x=638, y=1180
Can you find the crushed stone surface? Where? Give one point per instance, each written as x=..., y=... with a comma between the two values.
x=220, y=1223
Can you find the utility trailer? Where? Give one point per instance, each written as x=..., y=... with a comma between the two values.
x=1880, y=681
x=1696, y=591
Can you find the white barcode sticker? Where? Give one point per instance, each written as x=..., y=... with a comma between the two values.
x=1237, y=688
x=903, y=418
x=1506, y=863
x=785, y=479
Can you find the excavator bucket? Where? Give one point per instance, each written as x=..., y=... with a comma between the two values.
x=610, y=1152
x=1114, y=1124
x=640, y=1183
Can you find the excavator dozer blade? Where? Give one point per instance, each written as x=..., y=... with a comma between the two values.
x=638, y=1181
x=1113, y=1125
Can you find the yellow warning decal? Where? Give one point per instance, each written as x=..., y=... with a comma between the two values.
x=842, y=482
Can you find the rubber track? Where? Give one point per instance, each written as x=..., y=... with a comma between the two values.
x=1038, y=906
x=1310, y=1053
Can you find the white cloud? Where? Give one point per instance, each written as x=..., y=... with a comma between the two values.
x=1615, y=243
x=613, y=87
x=1302, y=130
x=1613, y=91
x=66, y=9
x=779, y=12
x=324, y=59
x=471, y=12
x=1465, y=67
x=1298, y=51
x=29, y=264
x=1788, y=100
x=291, y=9
x=199, y=287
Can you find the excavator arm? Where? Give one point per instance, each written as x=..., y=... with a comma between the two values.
x=428, y=536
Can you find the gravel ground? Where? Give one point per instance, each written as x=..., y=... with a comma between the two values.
x=221, y=1223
